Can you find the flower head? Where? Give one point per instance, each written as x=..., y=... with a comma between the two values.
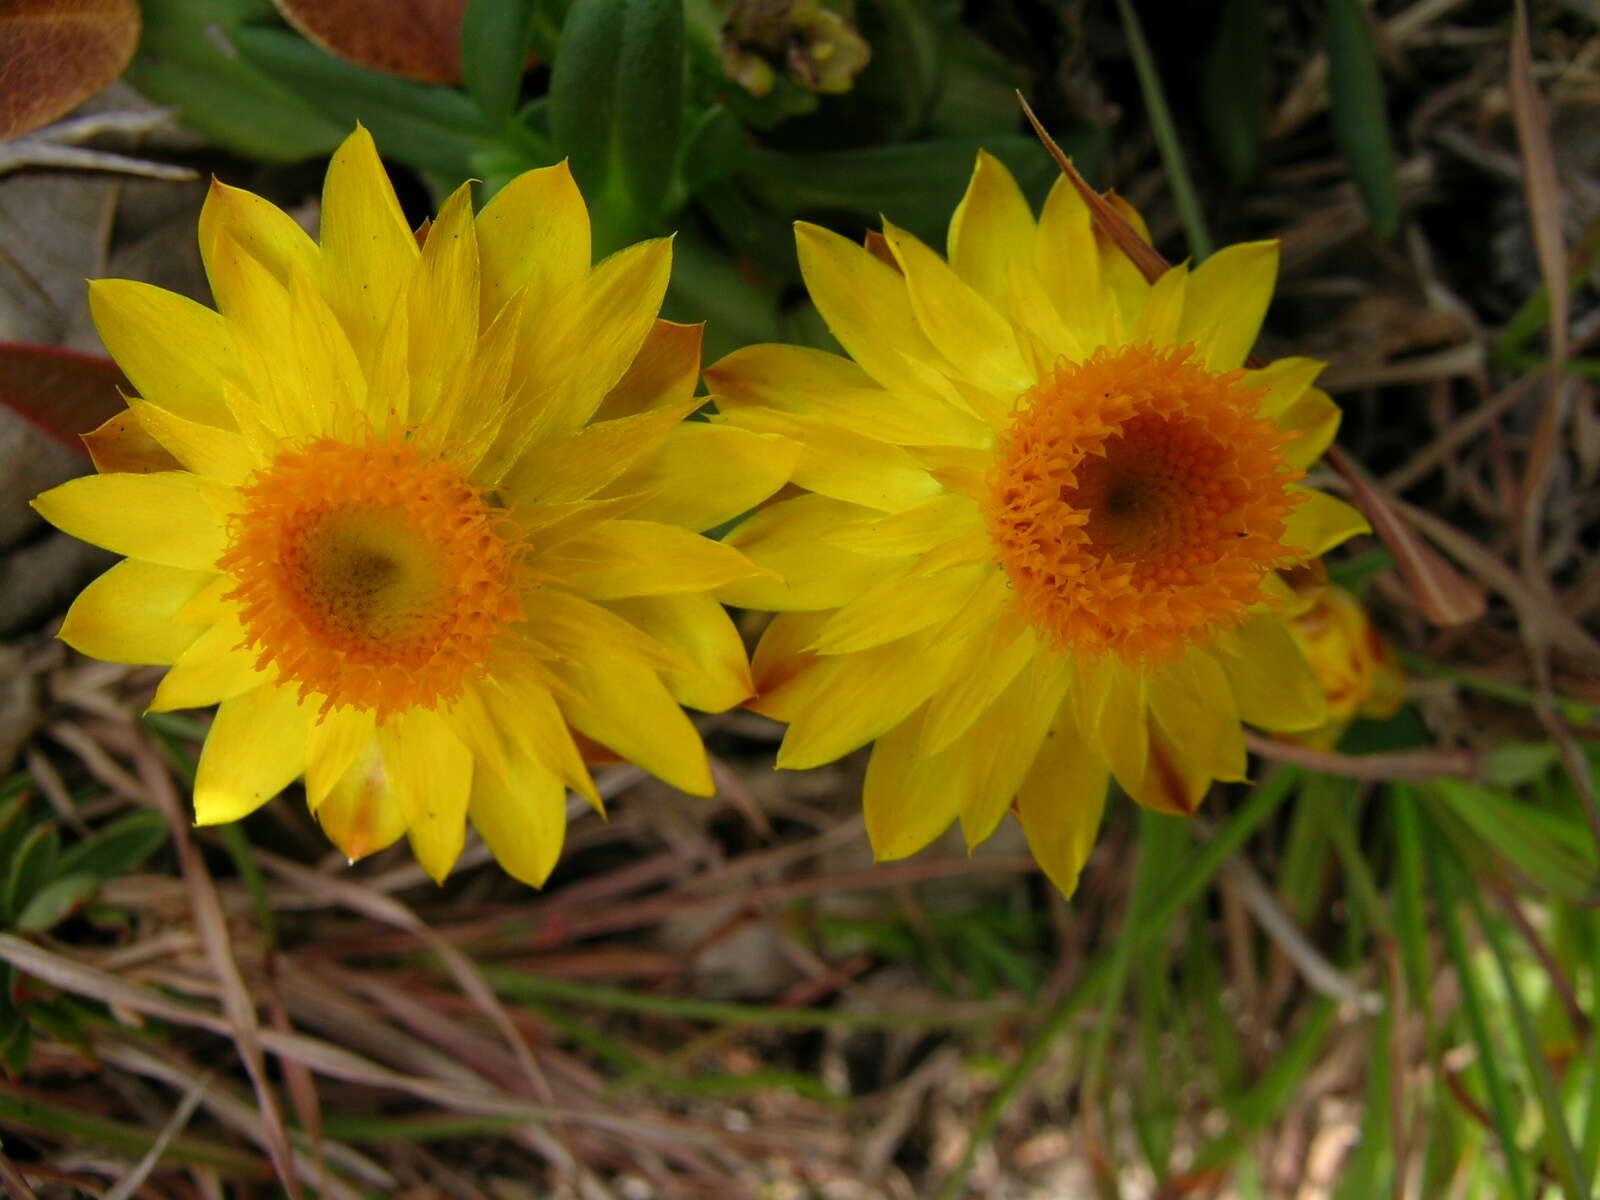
x=423, y=519
x=1358, y=671
x=1049, y=507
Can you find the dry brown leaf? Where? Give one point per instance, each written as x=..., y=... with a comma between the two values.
x=415, y=39
x=54, y=54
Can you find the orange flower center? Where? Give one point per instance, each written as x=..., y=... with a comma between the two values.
x=371, y=574
x=1138, y=501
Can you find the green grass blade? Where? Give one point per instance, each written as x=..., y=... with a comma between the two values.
x=1360, y=120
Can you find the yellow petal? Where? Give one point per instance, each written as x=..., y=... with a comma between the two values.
x=578, y=466
x=256, y=748
x=914, y=531
x=261, y=317
x=1068, y=266
x=627, y=709
x=970, y=333
x=333, y=386
x=367, y=249
x=174, y=351
x=642, y=558
x=992, y=228
x=700, y=631
x=982, y=671
x=704, y=475
x=577, y=351
x=533, y=235
x=897, y=606
x=1120, y=733
x=1281, y=382
x=837, y=703
x=664, y=371
x=130, y=614
x=1192, y=702
x=1176, y=778
x=1157, y=322
x=566, y=626
x=443, y=298
x=1320, y=522
x=834, y=462
x=909, y=798
x=216, y=667
x=806, y=382
x=359, y=813
x=1272, y=684
x=169, y=517
x=1004, y=741
x=1060, y=804
x=864, y=302
x=523, y=819
x=527, y=714
x=270, y=235
x=430, y=777
x=337, y=739
x=1315, y=419
x=202, y=449
x=787, y=539
x=1227, y=301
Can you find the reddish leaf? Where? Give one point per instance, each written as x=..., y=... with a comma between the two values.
x=54, y=54
x=415, y=39
x=63, y=392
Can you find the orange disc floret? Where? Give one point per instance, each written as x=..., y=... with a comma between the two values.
x=1138, y=501
x=371, y=573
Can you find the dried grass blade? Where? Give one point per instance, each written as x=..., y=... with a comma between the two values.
x=130, y=1183
x=212, y=926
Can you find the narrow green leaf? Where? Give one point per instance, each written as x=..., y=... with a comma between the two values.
x=82, y=1128
x=1360, y=120
x=1446, y=890
x=118, y=848
x=494, y=53
x=32, y=868
x=1516, y=832
x=616, y=110
x=55, y=901
x=1233, y=87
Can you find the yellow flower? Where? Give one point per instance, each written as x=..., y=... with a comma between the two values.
x=1358, y=671
x=1048, y=506
x=426, y=512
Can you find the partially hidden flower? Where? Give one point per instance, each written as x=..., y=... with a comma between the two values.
x=1359, y=673
x=1047, y=512
x=422, y=520
x=817, y=47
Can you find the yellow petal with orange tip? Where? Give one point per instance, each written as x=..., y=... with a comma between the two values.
x=256, y=747
x=139, y=323
x=338, y=739
x=171, y=518
x=523, y=818
x=359, y=813
x=533, y=236
x=626, y=708
x=130, y=613
x=1061, y=801
x=1176, y=777
x=430, y=773
x=969, y=332
x=368, y=251
x=1227, y=301
x=701, y=632
x=992, y=229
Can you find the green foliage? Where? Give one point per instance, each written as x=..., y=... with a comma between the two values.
x=1360, y=122
x=43, y=884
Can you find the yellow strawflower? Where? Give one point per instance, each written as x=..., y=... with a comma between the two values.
x=427, y=512
x=1359, y=672
x=1047, y=510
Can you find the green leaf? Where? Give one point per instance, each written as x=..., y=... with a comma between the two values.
x=1514, y=831
x=1360, y=121
x=55, y=901
x=426, y=126
x=186, y=60
x=1233, y=88
x=118, y=848
x=32, y=868
x=494, y=53
x=13, y=825
x=616, y=110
